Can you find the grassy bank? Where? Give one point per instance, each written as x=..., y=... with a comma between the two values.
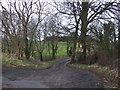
x=26, y=64
x=109, y=76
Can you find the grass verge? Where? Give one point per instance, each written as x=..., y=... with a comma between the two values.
x=108, y=76
x=29, y=64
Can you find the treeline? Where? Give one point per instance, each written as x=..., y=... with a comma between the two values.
x=60, y=38
x=24, y=25
x=89, y=29
x=101, y=44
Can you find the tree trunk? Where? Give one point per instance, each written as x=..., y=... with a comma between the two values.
x=119, y=56
x=3, y=45
x=67, y=49
x=74, y=44
x=28, y=44
x=32, y=53
x=48, y=48
x=18, y=52
x=27, y=52
x=53, y=51
x=26, y=41
x=118, y=15
x=119, y=40
x=18, y=47
x=56, y=47
x=8, y=46
x=84, y=24
x=79, y=46
x=40, y=55
x=83, y=36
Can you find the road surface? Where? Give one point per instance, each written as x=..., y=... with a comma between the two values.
x=58, y=76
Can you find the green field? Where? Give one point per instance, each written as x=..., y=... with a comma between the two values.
x=61, y=51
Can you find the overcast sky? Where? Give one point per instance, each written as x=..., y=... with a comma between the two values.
x=4, y=3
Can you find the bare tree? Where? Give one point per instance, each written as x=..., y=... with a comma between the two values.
x=11, y=29
x=40, y=39
x=17, y=22
x=80, y=10
x=53, y=32
x=73, y=9
x=25, y=16
x=84, y=15
x=118, y=18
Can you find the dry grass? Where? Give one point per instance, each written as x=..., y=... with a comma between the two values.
x=11, y=61
x=108, y=75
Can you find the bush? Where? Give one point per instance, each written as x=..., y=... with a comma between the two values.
x=79, y=57
x=92, y=58
x=105, y=57
x=100, y=56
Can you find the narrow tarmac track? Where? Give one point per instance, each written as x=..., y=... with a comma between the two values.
x=58, y=76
